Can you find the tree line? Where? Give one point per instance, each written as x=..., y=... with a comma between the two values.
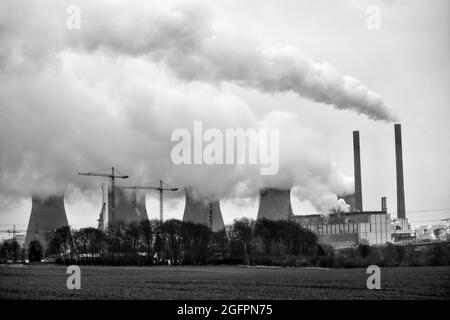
x=246, y=241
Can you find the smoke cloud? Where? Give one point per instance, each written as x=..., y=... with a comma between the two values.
x=186, y=42
x=112, y=92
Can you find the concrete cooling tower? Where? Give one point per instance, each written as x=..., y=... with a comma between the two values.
x=129, y=206
x=47, y=213
x=274, y=204
x=202, y=210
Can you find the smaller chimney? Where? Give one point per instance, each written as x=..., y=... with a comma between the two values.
x=384, y=204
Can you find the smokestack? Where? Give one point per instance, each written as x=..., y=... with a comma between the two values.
x=383, y=204
x=129, y=206
x=274, y=204
x=357, y=168
x=202, y=210
x=401, y=213
x=47, y=213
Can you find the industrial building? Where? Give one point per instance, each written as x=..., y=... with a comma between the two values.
x=348, y=229
x=202, y=210
x=440, y=231
x=340, y=229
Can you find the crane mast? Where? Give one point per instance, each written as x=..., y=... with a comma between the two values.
x=14, y=231
x=112, y=195
x=160, y=189
x=210, y=216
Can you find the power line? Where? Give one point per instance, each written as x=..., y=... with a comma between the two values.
x=429, y=210
x=425, y=220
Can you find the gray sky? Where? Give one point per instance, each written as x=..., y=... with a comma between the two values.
x=406, y=62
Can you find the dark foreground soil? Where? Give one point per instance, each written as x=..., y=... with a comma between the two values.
x=221, y=282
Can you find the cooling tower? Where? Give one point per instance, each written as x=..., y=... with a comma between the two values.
x=274, y=204
x=198, y=210
x=47, y=213
x=401, y=213
x=129, y=206
x=357, y=168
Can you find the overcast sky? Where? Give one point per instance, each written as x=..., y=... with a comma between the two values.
x=67, y=93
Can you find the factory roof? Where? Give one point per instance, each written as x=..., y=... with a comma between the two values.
x=339, y=213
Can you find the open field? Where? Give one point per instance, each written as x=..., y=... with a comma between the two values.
x=221, y=282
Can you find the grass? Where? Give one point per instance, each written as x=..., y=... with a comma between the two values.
x=221, y=282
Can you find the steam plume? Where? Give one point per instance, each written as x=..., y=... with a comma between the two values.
x=112, y=93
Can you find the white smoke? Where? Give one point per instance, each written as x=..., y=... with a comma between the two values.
x=112, y=93
x=186, y=41
x=342, y=206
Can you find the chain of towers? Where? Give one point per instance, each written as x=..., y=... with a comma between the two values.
x=49, y=213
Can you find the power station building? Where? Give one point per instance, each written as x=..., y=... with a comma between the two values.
x=343, y=229
x=348, y=229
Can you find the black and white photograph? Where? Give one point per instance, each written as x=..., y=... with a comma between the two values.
x=236, y=153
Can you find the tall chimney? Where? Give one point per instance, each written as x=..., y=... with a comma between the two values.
x=357, y=167
x=401, y=213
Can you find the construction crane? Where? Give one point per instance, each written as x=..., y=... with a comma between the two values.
x=161, y=190
x=112, y=176
x=14, y=231
x=210, y=216
x=101, y=218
